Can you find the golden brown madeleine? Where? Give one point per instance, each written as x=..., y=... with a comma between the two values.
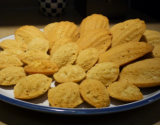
x=94, y=21
x=152, y=37
x=124, y=91
x=32, y=86
x=47, y=28
x=45, y=67
x=125, y=53
x=65, y=95
x=11, y=75
x=13, y=44
x=87, y=58
x=106, y=72
x=70, y=73
x=59, y=42
x=65, y=55
x=11, y=52
x=145, y=73
x=97, y=38
x=37, y=43
x=130, y=30
x=156, y=51
x=32, y=55
x=27, y=33
x=62, y=29
x=95, y=93
x=8, y=61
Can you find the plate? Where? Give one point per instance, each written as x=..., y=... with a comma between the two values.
x=41, y=103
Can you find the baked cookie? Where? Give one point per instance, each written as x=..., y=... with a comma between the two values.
x=11, y=75
x=152, y=37
x=124, y=91
x=65, y=95
x=145, y=73
x=8, y=61
x=70, y=73
x=37, y=43
x=97, y=38
x=65, y=55
x=13, y=44
x=45, y=67
x=106, y=72
x=62, y=29
x=59, y=42
x=32, y=86
x=11, y=52
x=27, y=33
x=32, y=55
x=87, y=58
x=125, y=53
x=95, y=93
x=47, y=28
x=130, y=30
x=94, y=21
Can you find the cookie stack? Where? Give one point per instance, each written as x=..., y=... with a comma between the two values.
x=91, y=63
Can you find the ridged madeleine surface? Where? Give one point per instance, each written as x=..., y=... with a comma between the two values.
x=125, y=53
x=94, y=21
x=130, y=30
x=27, y=33
x=13, y=44
x=97, y=38
x=145, y=73
x=62, y=29
x=45, y=67
x=152, y=37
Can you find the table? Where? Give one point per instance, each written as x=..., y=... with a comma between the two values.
x=11, y=19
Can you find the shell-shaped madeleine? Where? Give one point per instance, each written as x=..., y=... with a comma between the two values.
x=11, y=75
x=144, y=73
x=93, y=21
x=32, y=55
x=13, y=44
x=32, y=86
x=130, y=30
x=47, y=28
x=97, y=38
x=60, y=42
x=37, y=43
x=125, y=53
x=124, y=91
x=62, y=29
x=8, y=61
x=27, y=33
x=151, y=37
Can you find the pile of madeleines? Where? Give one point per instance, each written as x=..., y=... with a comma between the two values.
x=92, y=62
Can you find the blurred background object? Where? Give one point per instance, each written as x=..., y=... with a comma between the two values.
x=109, y=8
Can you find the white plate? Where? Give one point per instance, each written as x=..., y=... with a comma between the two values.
x=41, y=103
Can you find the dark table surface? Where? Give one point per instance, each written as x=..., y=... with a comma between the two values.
x=145, y=115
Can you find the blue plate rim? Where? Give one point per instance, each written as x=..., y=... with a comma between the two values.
x=79, y=111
